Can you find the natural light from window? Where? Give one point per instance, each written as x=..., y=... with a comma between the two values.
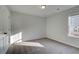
x=16, y=38
x=74, y=26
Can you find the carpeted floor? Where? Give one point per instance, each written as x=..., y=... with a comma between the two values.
x=41, y=46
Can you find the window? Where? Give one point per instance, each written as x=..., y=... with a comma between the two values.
x=73, y=23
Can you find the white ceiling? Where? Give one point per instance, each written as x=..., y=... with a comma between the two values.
x=37, y=11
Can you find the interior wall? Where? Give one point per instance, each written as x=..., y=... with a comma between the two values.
x=4, y=27
x=32, y=27
x=57, y=27
x=4, y=19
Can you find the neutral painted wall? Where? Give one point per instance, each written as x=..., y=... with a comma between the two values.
x=57, y=27
x=4, y=27
x=32, y=27
x=4, y=19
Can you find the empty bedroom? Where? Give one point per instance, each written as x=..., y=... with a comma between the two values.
x=39, y=29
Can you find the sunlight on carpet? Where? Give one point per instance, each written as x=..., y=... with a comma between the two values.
x=36, y=44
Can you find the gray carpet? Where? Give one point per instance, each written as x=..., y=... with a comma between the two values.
x=41, y=46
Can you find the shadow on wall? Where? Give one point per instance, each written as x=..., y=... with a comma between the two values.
x=16, y=38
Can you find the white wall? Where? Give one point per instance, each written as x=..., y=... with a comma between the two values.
x=32, y=27
x=4, y=19
x=4, y=27
x=57, y=27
